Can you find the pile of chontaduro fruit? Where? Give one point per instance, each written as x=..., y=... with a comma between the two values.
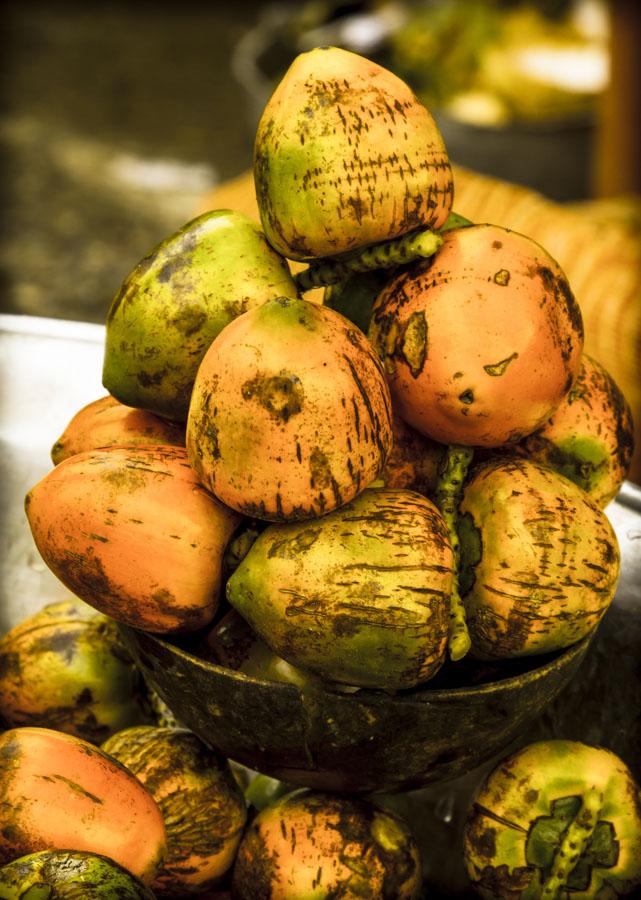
x=339, y=491
x=260, y=445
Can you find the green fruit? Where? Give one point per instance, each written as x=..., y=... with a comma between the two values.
x=539, y=560
x=360, y=596
x=69, y=875
x=346, y=156
x=65, y=668
x=556, y=819
x=201, y=803
x=177, y=299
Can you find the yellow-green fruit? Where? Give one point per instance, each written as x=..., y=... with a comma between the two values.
x=556, y=819
x=290, y=414
x=318, y=846
x=539, y=560
x=203, y=806
x=359, y=597
x=69, y=875
x=65, y=668
x=590, y=437
x=177, y=299
x=346, y=156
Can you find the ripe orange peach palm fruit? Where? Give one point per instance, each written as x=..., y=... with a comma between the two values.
x=131, y=531
x=60, y=792
x=482, y=342
x=290, y=415
x=108, y=423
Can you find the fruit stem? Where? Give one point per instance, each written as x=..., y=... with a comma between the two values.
x=398, y=251
x=575, y=840
x=449, y=489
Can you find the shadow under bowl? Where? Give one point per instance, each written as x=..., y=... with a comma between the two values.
x=355, y=742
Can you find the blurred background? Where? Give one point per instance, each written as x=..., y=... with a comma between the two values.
x=118, y=118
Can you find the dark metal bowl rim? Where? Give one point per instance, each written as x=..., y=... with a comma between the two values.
x=420, y=694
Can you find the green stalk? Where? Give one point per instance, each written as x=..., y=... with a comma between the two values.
x=448, y=496
x=399, y=251
x=575, y=840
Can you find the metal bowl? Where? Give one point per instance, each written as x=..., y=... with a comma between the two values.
x=358, y=742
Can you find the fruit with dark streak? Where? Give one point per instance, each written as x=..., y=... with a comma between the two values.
x=131, y=531
x=590, y=437
x=346, y=156
x=108, y=423
x=539, y=560
x=290, y=415
x=555, y=819
x=64, y=667
x=481, y=343
x=359, y=597
x=201, y=802
x=58, y=792
x=177, y=299
x=69, y=875
x=317, y=845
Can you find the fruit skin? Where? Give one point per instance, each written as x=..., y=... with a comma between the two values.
x=517, y=797
x=201, y=802
x=414, y=461
x=590, y=437
x=290, y=415
x=316, y=845
x=69, y=875
x=131, y=531
x=177, y=299
x=481, y=343
x=60, y=792
x=108, y=423
x=359, y=597
x=64, y=667
x=346, y=156
x=540, y=561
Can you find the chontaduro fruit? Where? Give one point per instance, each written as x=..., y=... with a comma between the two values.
x=201, y=802
x=481, y=343
x=290, y=415
x=346, y=156
x=555, y=819
x=318, y=845
x=360, y=596
x=539, y=559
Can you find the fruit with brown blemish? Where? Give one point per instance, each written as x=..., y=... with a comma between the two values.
x=108, y=423
x=290, y=415
x=69, y=875
x=590, y=437
x=177, y=299
x=360, y=597
x=555, y=819
x=474, y=357
x=318, y=845
x=58, y=792
x=64, y=667
x=539, y=560
x=201, y=802
x=346, y=156
x=132, y=532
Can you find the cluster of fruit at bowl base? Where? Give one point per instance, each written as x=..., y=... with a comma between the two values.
x=310, y=463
